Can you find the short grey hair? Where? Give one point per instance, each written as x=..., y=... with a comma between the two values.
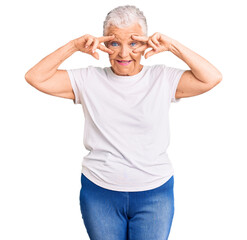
x=124, y=16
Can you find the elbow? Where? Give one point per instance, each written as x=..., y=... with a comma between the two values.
x=215, y=82
x=27, y=77
x=219, y=78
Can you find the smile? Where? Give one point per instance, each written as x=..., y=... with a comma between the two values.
x=124, y=62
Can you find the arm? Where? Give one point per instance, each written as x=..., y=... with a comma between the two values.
x=200, y=67
x=47, y=67
x=45, y=75
x=203, y=75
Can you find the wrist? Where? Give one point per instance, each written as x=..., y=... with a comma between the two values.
x=73, y=46
x=169, y=42
x=173, y=46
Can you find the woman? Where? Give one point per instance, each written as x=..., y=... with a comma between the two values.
x=127, y=177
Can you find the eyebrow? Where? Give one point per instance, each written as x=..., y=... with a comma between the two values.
x=130, y=39
x=119, y=39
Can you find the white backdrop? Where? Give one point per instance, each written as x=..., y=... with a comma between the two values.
x=42, y=135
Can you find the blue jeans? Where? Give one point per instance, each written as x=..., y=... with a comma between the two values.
x=115, y=215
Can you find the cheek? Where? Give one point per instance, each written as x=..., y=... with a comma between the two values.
x=114, y=55
x=136, y=56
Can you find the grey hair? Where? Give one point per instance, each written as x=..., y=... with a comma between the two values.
x=124, y=16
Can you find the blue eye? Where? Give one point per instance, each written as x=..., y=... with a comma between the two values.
x=114, y=44
x=133, y=44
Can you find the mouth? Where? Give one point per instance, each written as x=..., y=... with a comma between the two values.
x=124, y=62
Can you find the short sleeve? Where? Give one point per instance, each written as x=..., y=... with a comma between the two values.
x=173, y=76
x=77, y=80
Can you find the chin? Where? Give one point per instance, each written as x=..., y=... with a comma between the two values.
x=122, y=72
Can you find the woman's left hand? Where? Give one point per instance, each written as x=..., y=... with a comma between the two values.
x=159, y=42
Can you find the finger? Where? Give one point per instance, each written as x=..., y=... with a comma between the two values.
x=105, y=49
x=95, y=55
x=150, y=53
x=89, y=42
x=140, y=38
x=141, y=48
x=154, y=39
x=96, y=43
x=152, y=44
x=106, y=38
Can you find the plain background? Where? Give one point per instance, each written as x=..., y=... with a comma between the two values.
x=42, y=135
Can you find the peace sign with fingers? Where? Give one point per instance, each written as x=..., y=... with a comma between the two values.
x=88, y=44
x=158, y=42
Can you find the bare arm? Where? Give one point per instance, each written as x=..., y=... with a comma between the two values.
x=48, y=66
x=202, y=77
x=45, y=75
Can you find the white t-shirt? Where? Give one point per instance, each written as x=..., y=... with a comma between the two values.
x=126, y=127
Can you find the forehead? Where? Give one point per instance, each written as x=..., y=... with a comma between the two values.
x=125, y=33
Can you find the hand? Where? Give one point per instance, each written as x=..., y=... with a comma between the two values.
x=157, y=41
x=88, y=44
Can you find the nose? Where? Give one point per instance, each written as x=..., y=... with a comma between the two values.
x=124, y=52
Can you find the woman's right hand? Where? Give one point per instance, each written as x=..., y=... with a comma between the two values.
x=88, y=44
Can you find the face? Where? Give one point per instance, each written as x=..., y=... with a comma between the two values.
x=123, y=61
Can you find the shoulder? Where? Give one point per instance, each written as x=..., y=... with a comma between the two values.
x=90, y=71
x=85, y=72
x=167, y=71
x=96, y=69
x=156, y=69
x=97, y=73
x=90, y=68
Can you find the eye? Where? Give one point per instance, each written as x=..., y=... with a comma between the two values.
x=133, y=44
x=114, y=44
